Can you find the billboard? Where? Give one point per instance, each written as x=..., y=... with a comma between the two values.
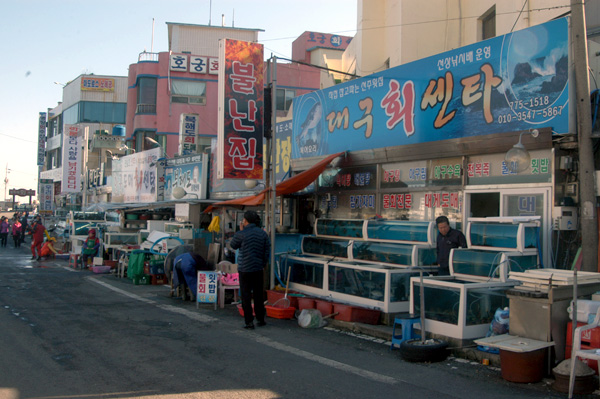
x=46, y=197
x=135, y=177
x=509, y=83
x=188, y=133
x=241, y=108
x=71, y=155
x=41, y=139
x=189, y=173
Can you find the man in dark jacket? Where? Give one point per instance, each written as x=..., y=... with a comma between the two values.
x=447, y=239
x=255, y=250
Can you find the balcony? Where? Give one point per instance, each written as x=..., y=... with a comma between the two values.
x=145, y=56
x=145, y=109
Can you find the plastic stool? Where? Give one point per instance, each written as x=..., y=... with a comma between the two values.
x=74, y=260
x=406, y=325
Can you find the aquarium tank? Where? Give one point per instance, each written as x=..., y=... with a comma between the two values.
x=305, y=272
x=326, y=247
x=502, y=235
x=399, y=254
x=398, y=230
x=340, y=228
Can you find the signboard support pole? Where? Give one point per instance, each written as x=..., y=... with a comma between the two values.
x=273, y=158
x=589, y=232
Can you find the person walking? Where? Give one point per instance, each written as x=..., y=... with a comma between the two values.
x=24, y=225
x=447, y=239
x=37, y=238
x=16, y=232
x=255, y=249
x=4, y=228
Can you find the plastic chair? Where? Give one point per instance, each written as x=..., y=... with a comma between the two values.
x=226, y=267
x=591, y=354
x=405, y=324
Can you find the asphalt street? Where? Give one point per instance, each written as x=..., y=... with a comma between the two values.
x=69, y=333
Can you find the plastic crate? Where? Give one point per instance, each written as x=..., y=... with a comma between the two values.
x=355, y=314
x=157, y=268
x=280, y=313
x=306, y=303
x=143, y=279
x=159, y=279
x=273, y=296
x=589, y=337
x=326, y=308
x=101, y=269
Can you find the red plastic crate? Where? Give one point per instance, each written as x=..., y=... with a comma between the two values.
x=326, y=308
x=590, y=337
x=159, y=279
x=306, y=303
x=356, y=314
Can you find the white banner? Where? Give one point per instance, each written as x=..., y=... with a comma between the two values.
x=71, y=155
x=134, y=177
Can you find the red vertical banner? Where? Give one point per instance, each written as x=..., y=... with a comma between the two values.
x=241, y=110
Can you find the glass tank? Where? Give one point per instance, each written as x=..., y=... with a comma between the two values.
x=477, y=262
x=523, y=262
x=340, y=228
x=418, y=232
x=116, y=239
x=173, y=228
x=88, y=216
x=443, y=303
x=502, y=235
x=305, y=272
x=83, y=228
x=400, y=254
x=325, y=246
x=426, y=256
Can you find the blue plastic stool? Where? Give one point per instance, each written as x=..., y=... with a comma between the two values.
x=406, y=324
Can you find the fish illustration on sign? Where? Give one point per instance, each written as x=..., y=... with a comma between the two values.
x=310, y=130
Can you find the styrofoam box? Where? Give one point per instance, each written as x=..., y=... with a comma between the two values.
x=585, y=309
x=98, y=261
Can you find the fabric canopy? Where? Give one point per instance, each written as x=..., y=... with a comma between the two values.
x=288, y=186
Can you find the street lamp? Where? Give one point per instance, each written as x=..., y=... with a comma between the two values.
x=517, y=158
x=124, y=147
x=156, y=144
x=179, y=193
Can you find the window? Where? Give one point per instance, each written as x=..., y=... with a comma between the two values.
x=188, y=92
x=141, y=144
x=284, y=99
x=488, y=24
x=146, y=96
x=95, y=112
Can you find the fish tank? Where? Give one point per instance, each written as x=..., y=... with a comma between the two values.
x=348, y=228
x=325, y=246
x=393, y=253
x=503, y=236
x=405, y=231
x=112, y=240
x=376, y=286
x=489, y=265
x=82, y=228
x=458, y=308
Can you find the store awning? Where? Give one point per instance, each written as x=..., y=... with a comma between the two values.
x=288, y=186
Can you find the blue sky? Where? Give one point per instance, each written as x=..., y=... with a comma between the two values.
x=46, y=42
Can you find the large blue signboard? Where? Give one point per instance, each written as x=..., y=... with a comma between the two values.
x=509, y=83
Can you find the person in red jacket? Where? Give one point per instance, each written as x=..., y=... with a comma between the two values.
x=37, y=237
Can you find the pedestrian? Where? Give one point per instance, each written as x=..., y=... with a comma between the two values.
x=255, y=250
x=16, y=232
x=37, y=238
x=24, y=225
x=90, y=247
x=4, y=228
x=447, y=239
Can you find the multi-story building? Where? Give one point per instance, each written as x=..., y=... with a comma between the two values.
x=96, y=105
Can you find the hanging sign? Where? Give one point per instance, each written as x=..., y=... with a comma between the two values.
x=71, y=155
x=241, y=109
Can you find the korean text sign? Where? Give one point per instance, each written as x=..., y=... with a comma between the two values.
x=134, y=177
x=188, y=133
x=46, y=206
x=514, y=82
x=207, y=287
x=72, y=152
x=41, y=139
x=241, y=110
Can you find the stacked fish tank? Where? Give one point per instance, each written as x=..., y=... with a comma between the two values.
x=463, y=304
x=363, y=262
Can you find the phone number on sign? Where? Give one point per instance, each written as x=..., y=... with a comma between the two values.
x=549, y=112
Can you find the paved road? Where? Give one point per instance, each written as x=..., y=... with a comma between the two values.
x=73, y=334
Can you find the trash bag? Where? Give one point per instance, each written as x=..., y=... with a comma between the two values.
x=311, y=318
x=498, y=326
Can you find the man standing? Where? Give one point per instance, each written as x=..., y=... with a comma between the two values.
x=255, y=250
x=447, y=239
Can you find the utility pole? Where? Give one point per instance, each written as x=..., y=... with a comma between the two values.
x=587, y=195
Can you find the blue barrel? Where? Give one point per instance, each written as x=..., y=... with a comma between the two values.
x=118, y=130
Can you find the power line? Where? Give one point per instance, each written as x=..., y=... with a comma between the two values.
x=17, y=138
